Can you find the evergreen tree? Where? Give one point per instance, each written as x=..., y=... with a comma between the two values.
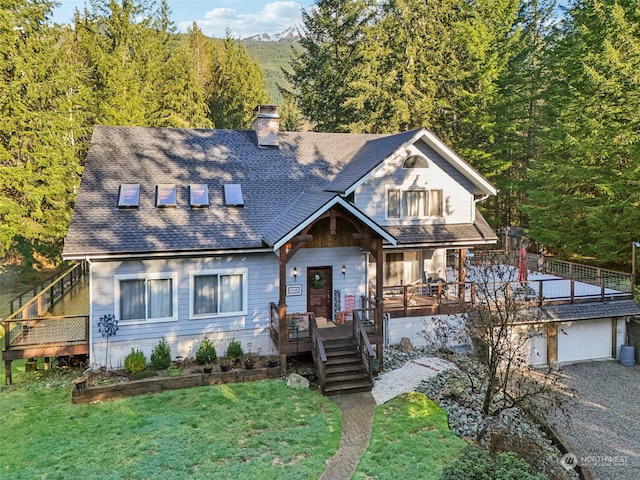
x=586, y=193
x=236, y=88
x=41, y=129
x=126, y=45
x=322, y=71
x=516, y=113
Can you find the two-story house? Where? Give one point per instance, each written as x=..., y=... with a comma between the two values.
x=215, y=232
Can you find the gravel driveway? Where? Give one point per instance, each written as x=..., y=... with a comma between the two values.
x=603, y=429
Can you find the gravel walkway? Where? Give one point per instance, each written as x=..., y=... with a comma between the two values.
x=603, y=428
x=406, y=379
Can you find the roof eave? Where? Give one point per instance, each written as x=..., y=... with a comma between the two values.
x=336, y=200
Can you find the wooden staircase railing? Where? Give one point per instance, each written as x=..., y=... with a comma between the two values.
x=317, y=351
x=363, y=344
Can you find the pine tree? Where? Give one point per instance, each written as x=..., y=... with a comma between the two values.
x=587, y=194
x=236, y=88
x=332, y=40
x=41, y=129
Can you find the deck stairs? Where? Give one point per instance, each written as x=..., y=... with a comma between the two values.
x=345, y=372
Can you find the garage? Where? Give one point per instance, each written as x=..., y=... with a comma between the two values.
x=584, y=340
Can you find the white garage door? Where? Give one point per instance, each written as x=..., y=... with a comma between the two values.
x=584, y=340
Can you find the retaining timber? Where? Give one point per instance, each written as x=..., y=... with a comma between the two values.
x=113, y=391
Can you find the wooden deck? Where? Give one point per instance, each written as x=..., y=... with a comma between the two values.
x=60, y=326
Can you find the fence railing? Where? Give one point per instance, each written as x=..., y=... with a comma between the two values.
x=457, y=297
x=42, y=299
x=20, y=334
x=317, y=351
x=364, y=345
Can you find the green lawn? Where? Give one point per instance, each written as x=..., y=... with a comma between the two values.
x=410, y=440
x=261, y=430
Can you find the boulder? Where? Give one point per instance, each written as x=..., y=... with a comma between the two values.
x=406, y=345
x=297, y=381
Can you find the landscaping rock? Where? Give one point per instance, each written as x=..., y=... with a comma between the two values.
x=297, y=381
x=406, y=345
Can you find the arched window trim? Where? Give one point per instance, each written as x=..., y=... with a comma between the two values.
x=415, y=161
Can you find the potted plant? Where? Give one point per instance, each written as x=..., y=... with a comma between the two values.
x=174, y=369
x=248, y=358
x=224, y=364
x=206, y=355
x=234, y=351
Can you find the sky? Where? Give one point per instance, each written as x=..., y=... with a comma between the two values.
x=243, y=18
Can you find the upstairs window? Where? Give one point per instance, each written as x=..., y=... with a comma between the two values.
x=233, y=195
x=166, y=195
x=415, y=161
x=199, y=195
x=414, y=203
x=129, y=195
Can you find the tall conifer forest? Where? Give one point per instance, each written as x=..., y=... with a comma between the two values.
x=543, y=100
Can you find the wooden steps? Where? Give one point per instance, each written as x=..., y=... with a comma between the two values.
x=345, y=372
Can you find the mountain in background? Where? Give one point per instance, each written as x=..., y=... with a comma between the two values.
x=289, y=35
x=273, y=53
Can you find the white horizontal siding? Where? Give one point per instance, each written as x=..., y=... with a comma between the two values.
x=457, y=190
x=183, y=334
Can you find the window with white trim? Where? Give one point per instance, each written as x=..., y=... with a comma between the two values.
x=414, y=203
x=218, y=293
x=146, y=298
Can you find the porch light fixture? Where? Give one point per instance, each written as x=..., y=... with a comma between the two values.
x=343, y=270
x=295, y=273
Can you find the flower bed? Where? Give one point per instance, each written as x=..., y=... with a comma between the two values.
x=144, y=386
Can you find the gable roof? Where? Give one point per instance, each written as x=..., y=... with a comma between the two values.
x=306, y=209
x=371, y=155
x=271, y=180
x=283, y=190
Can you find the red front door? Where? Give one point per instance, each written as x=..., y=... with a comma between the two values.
x=319, y=288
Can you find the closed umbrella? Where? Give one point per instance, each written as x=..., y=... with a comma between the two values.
x=522, y=266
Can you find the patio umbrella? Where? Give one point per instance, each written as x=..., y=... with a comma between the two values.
x=522, y=266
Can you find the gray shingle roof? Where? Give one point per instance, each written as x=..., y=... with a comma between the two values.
x=591, y=310
x=367, y=158
x=271, y=180
x=478, y=233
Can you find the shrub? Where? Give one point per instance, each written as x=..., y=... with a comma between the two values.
x=135, y=362
x=161, y=355
x=206, y=352
x=234, y=350
x=474, y=463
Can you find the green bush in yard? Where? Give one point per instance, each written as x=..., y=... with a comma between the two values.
x=135, y=362
x=161, y=355
x=234, y=350
x=475, y=464
x=206, y=352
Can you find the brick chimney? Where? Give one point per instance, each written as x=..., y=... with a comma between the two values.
x=267, y=125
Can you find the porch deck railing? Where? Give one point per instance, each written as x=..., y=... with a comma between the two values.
x=45, y=332
x=364, y=345
x=42, y=298
x=575, y=284
x=317, y=351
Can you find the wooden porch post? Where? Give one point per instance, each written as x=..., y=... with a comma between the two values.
x=7, y=372
x=379, y=330
x=462, y=271
x=282, y=308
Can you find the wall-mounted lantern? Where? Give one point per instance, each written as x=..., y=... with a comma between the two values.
x=295, y=274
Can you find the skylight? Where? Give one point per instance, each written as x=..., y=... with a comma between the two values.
x=233, y=195
x=129, y=195
x=199, y=195
x=166, y=195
